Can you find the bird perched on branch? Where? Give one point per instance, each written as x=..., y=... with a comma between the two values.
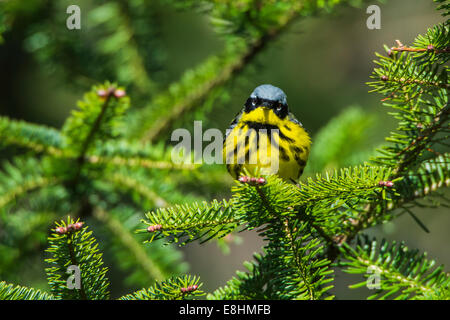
x=266, y=137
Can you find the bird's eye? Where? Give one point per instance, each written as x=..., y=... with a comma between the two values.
x=279, y=106
x=254, y=102
x=250, y=104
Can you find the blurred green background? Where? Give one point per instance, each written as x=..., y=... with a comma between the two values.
x=322, y=63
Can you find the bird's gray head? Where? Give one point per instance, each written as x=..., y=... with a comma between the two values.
x=269, y=92
x=268, y=96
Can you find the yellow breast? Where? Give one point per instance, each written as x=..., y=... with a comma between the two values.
x=263, y=141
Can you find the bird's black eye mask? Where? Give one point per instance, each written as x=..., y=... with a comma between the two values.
x=280, y=109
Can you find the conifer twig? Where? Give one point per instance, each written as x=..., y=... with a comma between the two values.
x=430, y=48
x=81, y=158
x=410, y=153
x=74, y=262
x=146, y=263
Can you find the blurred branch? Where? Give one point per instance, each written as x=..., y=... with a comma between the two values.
x=140, y=162
x=134, y=185
x=37, y=183
x=142, y=80
x=130, y=243
x=226, y=72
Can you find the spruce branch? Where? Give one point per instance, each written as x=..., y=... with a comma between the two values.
x=122, y=152
x=111, y=17
x=130, y=244
x=429, y=48
x=93, y=130
x=134, y=185
x=139, y=162
x=72, y=244
x=402, y=82
x=419, y=144
x=253, y=284
x=186, y=223
x=10, y=292
x=176, y=288
x=38, y=138
x=28, y=186
x=119, y=22
x=97, y=120
x=22, y=176
x=431, y=175
x=295, y=254
x=404, y=273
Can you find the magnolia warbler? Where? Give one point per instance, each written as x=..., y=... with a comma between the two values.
x=265, y=137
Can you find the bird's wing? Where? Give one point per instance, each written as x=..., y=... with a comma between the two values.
x=233, y=123
x=292, y=118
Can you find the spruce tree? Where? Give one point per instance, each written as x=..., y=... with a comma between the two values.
x=108, y=164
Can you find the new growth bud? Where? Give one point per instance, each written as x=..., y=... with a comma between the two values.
x=389, y=184
x=252, y=181
x=102, y=93
x=386, y=184
x=155, y=227
x=70, y=228
x=61, y=230
x=119, y=93
x=189, y=289
x=244, y=179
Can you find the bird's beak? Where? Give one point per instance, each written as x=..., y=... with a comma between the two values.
x=266, y=111
x=265, y=105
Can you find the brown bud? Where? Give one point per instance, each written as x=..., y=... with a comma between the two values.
x=102, y=93
x=77, y=226
x=119, y=93
x=155, y=227
x=189, y=288
x=430, y=47
x=244, y=179
x=384, y=78
x=388, y=184
x=61, y=230
x=385, y=184
x=261, y=181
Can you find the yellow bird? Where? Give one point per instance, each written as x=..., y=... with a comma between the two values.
x=266, y=137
